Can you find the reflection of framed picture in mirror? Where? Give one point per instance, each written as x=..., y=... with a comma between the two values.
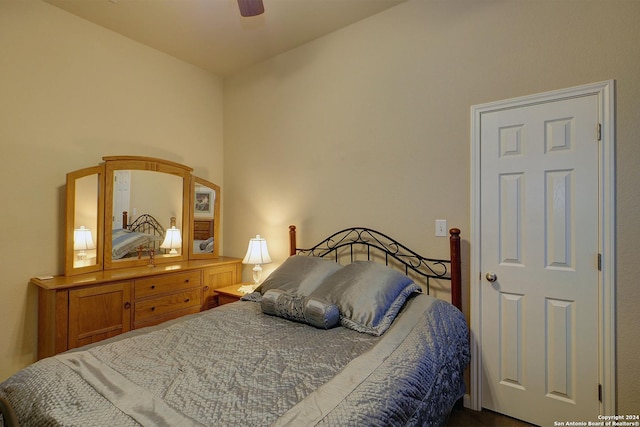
x=204, y=201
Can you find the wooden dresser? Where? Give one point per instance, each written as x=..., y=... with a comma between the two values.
x=83, y=309
x=202, y=229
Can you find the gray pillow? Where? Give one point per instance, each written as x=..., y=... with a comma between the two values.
x=368, y=295
x=313, y=311
x=299, y=275
x=205, y=243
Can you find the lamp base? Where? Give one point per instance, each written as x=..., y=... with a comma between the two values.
x=257, y=274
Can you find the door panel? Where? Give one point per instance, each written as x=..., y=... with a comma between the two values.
x=121, y=198
x=99, y=312
x=539, y=236
x=218, y=277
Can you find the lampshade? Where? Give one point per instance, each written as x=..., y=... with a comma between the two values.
x=82, y=239
x=172, y=240
x=257, y=252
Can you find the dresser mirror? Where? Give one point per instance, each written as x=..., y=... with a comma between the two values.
x=84, y=218
x=151, y=192
x=138, y=211
x=205, y=219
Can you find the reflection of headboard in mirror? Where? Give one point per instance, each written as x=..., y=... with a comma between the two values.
x=144, y=187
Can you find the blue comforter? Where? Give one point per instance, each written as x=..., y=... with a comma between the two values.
x=233, y=365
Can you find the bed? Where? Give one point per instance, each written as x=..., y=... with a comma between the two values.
x=322, y=341
x=143, y=235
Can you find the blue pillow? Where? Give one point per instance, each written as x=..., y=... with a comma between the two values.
x=313, y=311
x=299, y=275
x=368, y=295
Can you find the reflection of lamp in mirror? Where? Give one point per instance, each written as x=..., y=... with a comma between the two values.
x=82, y=242
x=258, y=254
x=172, y=239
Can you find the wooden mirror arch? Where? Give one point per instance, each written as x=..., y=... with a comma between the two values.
x=120, y=212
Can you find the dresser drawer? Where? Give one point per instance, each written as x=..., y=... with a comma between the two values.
x=173, y=302
x=155, y=320
x=202, y=229
x=166, y=283
x=202, y=225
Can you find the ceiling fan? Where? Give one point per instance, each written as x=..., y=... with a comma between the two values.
x=250, y=7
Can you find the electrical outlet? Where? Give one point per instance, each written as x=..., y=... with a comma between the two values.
x=441, y=227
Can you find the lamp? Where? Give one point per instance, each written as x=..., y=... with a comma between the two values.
x=258, y=254
x=173, y=239
x=82, y=241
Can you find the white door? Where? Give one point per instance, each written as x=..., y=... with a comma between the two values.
x=539, y=240
x=121, y=197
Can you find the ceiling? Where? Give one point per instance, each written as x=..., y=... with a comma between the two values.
x=211, y=33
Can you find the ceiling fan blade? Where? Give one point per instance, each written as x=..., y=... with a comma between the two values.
x=250, y=7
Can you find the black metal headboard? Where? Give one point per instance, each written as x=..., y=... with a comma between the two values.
x=358, y=242
x=146, y=223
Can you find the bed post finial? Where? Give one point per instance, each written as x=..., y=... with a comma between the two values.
x=456, y=268
x=292, y=240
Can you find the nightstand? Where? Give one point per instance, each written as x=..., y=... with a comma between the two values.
x=229, y=293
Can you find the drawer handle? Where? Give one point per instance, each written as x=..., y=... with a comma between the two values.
x=153, y=286
x=127, y=305
x=186, y=281
x=186, y=300
x=153, y=308
x=206, y=288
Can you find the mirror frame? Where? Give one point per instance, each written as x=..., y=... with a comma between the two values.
x=114, y=163
x=216, y=218
x=72, y=177
x=104, y=212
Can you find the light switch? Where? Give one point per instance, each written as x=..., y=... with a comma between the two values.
x=441, y=227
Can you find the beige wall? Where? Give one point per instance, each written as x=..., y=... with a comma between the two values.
x=363, y=127
x=70, y=93
x=370, y=126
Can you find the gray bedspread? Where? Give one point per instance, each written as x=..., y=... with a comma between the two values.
x=234, y=365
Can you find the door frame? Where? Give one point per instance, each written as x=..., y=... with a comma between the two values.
x=606, y=235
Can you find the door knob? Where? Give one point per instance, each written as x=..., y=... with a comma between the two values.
x=491, y=277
